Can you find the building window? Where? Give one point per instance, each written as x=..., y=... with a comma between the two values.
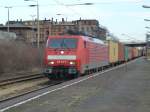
x=92, y=28
x=82, y=28
x=87, y=29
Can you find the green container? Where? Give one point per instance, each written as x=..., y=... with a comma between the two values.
x=126, y=53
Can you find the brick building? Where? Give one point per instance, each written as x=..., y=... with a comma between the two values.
x=88, y=27
x=27, y=30
x=45, y=28
x=59, y=28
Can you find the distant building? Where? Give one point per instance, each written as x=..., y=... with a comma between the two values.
x=45, y=28
x=23, y=33
x=27, y=30
x=88, y=27
x=60, y=28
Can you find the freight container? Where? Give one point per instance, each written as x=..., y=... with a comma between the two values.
x=140, y=52
x=113, y=51
x=120, y=52
x=134, y=52
x=130, y=53
x=148, y=53
x=126, y=53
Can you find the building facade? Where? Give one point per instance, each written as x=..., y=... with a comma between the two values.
x=23, y=33
x=27, y=30
x=87, y=27
x=44, y=28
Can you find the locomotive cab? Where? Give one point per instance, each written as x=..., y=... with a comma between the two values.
x=61, y=57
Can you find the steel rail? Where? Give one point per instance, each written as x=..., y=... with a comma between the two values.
x=52, y=83
x=28, y=92
x=20, y=79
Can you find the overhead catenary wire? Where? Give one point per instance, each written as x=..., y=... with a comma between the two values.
x=94, y=3
x=67, y=6
x=28, y=6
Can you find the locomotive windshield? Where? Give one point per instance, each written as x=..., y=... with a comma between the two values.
x=62, y=43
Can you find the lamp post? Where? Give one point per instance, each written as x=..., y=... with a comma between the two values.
x=38, y=26
x=148, y=32
x=33, y=23
x=146, y=19
x=79, y=4
x=145, y=6
x=8, y=18
x=147, y=27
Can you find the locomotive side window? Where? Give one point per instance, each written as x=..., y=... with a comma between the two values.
x=62, y=43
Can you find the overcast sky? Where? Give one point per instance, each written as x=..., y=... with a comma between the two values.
x=119, y=16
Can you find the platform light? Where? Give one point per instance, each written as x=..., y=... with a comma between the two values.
x=38, y=24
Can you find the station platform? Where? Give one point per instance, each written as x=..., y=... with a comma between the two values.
x=124, y=89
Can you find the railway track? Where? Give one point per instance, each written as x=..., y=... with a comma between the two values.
x=31, y=77
x=27, y=78
x=24, y=78
x=25, y=93
x=20, y=79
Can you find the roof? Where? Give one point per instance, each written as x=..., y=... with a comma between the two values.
x=86, y=38
x=17, y=25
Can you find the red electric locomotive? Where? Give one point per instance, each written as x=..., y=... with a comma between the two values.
x=73, y=55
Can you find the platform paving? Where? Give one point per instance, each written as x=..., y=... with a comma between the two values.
x=126, y=89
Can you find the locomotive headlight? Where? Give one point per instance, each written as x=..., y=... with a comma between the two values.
x=51, y=62
x=72, y=63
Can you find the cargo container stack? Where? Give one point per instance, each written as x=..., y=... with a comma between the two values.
x=148, y=53
x=121, y=55
x=148, y=47
x=113, y=51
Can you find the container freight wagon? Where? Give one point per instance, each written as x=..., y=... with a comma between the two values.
x=113, y=51
x=72, y=55
x=121, y=55
x=134, y=52
x=148, y=53
x=141, y=52
x=127, y=53
x=130, y=52
x=137, y=52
